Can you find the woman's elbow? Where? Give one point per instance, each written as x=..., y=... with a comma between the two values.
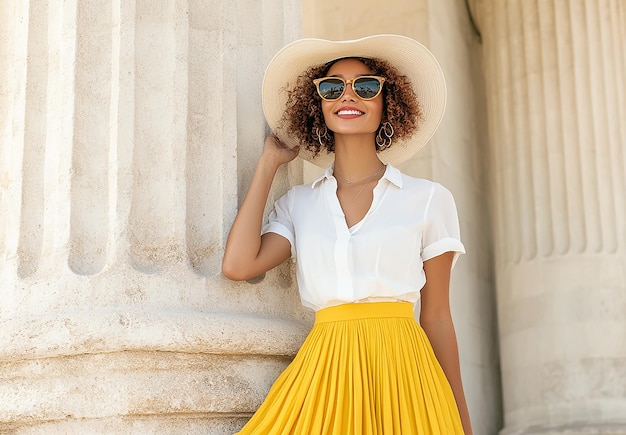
x=232, y=272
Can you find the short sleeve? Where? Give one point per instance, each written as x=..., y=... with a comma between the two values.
x=441, y=233
x=280, y=220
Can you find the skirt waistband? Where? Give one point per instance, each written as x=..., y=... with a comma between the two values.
x=365, y=310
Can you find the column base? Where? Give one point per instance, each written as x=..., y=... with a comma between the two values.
x=140, y=372
x=199, y=424
x=574, y=429
x=134, y=392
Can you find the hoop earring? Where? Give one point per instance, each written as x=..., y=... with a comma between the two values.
x=386, y=130
x=321, y=135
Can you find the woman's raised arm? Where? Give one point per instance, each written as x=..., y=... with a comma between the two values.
x=247, y=253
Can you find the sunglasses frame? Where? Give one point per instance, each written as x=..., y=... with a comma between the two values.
x=345, y=86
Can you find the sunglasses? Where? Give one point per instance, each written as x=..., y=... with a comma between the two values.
x=333, y=88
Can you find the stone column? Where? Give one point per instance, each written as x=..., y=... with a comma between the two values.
x=555, y=74
x=128, y=134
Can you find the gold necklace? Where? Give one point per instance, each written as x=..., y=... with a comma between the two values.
x=378, y=171
x=355, y=197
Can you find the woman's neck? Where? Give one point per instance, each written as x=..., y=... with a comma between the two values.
x=355, y=156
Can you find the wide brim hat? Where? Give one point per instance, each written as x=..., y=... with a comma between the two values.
x=408, y=56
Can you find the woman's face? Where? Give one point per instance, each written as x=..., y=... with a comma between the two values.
x=350, y=114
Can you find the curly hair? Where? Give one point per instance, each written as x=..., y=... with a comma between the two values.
x=303, y=113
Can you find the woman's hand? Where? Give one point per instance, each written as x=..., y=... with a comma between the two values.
x=277, y=150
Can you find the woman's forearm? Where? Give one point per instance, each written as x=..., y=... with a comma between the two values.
x=244, y=239
x=443, y=340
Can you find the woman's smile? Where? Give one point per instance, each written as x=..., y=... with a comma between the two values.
x=347, y=112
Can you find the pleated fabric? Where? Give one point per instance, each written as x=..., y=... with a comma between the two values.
x=365, y=368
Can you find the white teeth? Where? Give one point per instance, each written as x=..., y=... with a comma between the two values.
x=349, y=112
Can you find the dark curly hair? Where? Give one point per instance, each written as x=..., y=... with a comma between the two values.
x=303, y=112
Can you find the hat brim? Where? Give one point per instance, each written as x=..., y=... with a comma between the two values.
x=408, y=56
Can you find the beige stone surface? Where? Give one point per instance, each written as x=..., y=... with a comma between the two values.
x=125, y=391
x=128, y=133
x=554, y=72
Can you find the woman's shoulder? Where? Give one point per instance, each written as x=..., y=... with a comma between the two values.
x=431, y=189
x=411, y=182
x=298, y=192
x=301, y=189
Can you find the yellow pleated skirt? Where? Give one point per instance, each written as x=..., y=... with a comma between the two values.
x=364, y=368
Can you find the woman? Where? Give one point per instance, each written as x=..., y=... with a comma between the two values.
x=370, y=242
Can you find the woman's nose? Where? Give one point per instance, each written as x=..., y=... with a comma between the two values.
x=348, y=93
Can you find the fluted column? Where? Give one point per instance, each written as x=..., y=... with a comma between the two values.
x=557, y=108
x=129, y=131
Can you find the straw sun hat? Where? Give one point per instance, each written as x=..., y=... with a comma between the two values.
x=408, y=56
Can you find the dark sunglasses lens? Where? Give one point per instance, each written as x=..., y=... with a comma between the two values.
x=366, y=87
x=331, y=89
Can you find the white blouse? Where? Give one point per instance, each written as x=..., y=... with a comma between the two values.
x=381, y=258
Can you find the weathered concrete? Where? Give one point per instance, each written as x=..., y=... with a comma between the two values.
x=556, y=97
x=128, y=130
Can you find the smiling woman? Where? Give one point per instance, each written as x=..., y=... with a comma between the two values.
x=370, y=242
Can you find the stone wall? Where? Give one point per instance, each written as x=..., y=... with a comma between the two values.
x=129, y=131
x=557, y=103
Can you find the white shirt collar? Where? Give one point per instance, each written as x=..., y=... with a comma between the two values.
x=392, y=174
